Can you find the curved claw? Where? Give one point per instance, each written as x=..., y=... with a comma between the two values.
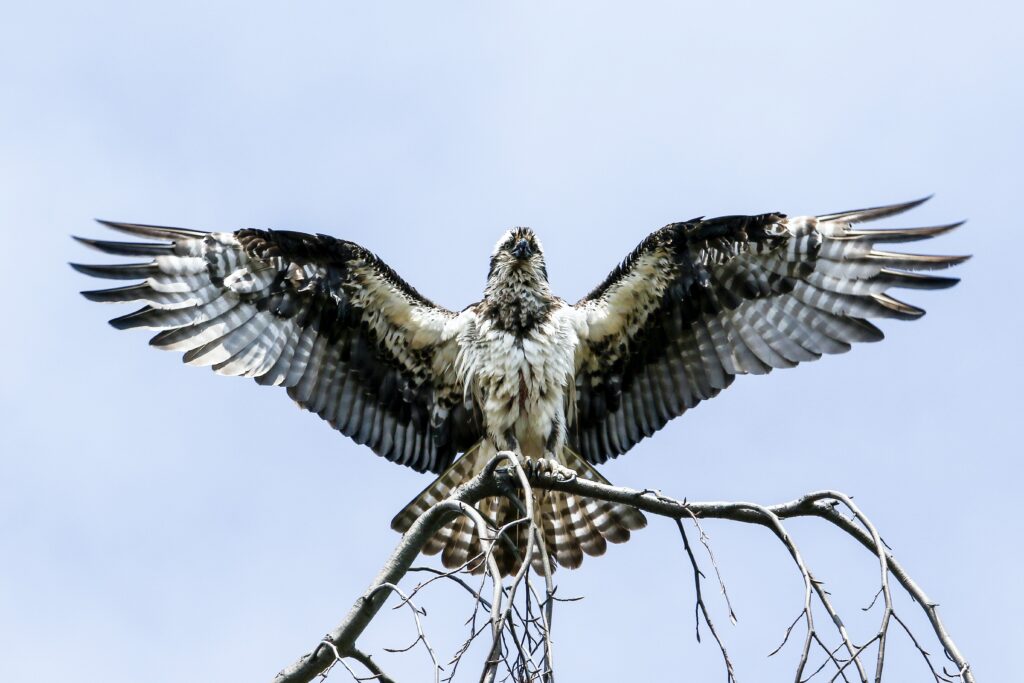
x=548, y=468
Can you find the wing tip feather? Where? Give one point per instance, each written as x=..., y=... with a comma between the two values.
x=126, y=271
x=105, y=296
x=157, y=231
x=900, y=310
x=129, y=320
x=901, y=234
x=874, y=212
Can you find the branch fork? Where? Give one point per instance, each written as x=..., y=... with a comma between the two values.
x=521, y=634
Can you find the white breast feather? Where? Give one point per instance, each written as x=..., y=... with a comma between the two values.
x=521, y=384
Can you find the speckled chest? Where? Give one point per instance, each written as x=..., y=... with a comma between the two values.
x=520, y=381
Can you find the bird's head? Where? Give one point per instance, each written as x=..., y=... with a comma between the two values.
x=518, y=255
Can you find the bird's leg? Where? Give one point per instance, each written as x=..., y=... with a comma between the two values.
x=547, y=467
x=511, y=443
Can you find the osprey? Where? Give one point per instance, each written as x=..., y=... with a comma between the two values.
x=694, y=305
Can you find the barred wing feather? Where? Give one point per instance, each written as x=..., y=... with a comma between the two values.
x=325, y=318
x=699, y=302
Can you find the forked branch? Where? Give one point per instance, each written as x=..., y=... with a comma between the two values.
x=520, y=636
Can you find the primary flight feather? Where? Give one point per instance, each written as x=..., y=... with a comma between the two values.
x=694, y=305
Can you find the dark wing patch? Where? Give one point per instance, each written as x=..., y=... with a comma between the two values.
x=325, y=318
x=697, y=303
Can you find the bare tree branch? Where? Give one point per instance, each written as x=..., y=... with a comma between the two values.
x=700, y=609
x=815, y=504
x=506, y=474
x=376, y=673
x=343, y=636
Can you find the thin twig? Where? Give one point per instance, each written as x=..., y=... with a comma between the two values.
x=371, y=666
x=420, y=635
x=503, y=481
x=700, y=608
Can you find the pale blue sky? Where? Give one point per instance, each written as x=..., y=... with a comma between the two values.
x=160, y=523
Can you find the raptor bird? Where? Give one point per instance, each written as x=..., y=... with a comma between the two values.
x=694, y=305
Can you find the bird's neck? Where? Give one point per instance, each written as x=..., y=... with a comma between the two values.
x=517, y=301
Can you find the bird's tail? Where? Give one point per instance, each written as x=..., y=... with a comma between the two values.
x=571, y=525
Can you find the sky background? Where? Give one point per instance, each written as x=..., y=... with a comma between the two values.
x=164, y=524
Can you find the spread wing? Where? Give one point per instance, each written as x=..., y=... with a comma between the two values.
x=700, y=302
x=325, y=318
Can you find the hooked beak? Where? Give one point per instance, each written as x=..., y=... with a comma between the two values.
x=522, y=250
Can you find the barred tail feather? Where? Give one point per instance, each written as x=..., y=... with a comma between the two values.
x=571, y=526
x=591, y=523
x=460, y=471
